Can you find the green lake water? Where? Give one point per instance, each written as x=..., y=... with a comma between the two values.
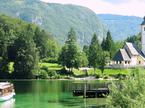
x=51, y=94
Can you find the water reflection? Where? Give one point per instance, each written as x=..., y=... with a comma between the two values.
x=8, y=104
x=53, y=94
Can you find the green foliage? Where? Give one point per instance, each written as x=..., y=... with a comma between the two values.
x=52, y=74
x=128, y=93
x=56, y=18
x=26, y=55
x=103, y=44
x=6, y=39
x=108, y=44
x=43, y=74
x=46, y=72
x=53, y=50
x=113, y=73
x=86, y=50
x=119, y=44
x=22, y=43
x=40, y=38
x=104, y=58
x=136, y=39
x=94, y=51
x=68, y=56
x=81, y=60
x=51, y=66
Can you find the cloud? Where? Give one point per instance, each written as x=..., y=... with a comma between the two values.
x=122, y=7
x=116, y=1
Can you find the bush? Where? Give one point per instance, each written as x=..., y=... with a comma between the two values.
x=119, y=76
x=98, y=76
x=43, y=74
x=52, y=74
x=128, y=93
x=106, y=77
x=44, y=68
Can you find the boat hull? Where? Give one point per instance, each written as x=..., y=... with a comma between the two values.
x=7, y=97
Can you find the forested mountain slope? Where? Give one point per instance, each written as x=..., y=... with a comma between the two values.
x=120, y=26
x=56, y=18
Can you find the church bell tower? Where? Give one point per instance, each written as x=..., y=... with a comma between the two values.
x=143, y=36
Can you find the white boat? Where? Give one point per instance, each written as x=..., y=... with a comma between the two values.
x=8, y=104
x=6, y=91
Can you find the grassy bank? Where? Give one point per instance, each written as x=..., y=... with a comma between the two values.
x=56, y=70
x=106, y=71
x=51, y=66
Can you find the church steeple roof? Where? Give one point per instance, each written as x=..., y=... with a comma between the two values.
x=143, y=23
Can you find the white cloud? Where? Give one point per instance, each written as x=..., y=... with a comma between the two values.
x=131, y=7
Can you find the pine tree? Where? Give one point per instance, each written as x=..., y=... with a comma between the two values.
x=103, y=60
x=82, y=60
x=103, y=44
x=69, y=52
x=86, y=50
x=94, y=51
x=109, y=44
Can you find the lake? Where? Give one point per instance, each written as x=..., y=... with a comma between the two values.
x=51, y=94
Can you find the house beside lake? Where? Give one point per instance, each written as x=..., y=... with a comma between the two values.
x=130, y=55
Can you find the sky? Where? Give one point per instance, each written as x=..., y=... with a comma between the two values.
x=120, y=7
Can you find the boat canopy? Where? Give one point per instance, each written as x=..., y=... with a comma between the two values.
x=4, y=85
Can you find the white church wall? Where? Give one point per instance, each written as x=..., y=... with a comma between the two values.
x=133, y=61
x=143, y=38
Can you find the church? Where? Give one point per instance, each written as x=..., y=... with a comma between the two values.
x=130, y=55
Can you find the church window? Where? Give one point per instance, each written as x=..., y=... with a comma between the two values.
x=125, y=62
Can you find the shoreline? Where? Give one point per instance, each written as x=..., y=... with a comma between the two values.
x=61, y=79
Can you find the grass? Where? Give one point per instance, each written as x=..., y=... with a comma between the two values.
x=106, y=71
x=76, y=72
x=51, y=66
x=55, y=66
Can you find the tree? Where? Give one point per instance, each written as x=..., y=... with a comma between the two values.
x=41, y=40
x=72, y=36
x=69, y=52
x=62, y=56
x=26, y=55
x=103, y=60
x=136, y=39
x=53, y=50
x=128, y=93
x=81, y=60
x=103, y=44
x=109, y=44
x=4, y=44
x=86, y=50
x=94, y=51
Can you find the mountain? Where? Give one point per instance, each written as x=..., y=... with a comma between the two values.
x=56, y=18
x=120, y=26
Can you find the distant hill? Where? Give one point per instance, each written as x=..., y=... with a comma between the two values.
x=121, y=27
x=56, y=18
